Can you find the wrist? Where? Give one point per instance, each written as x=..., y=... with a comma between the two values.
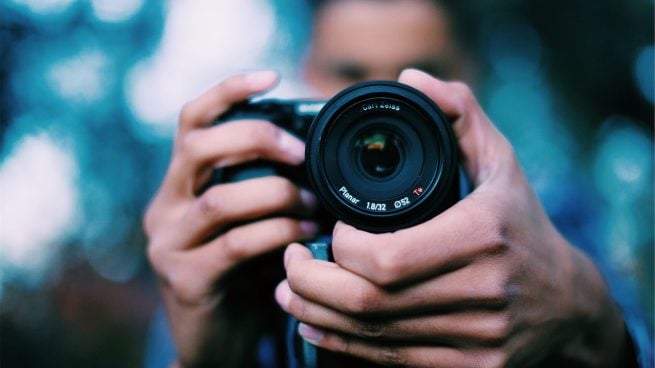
x=601, y=339
x=225, y=339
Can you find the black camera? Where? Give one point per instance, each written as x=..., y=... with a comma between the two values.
x=380, y=155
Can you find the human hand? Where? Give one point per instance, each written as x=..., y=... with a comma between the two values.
x=197, y=239
x=487, y=283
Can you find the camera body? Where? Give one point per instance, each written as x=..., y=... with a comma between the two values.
x=380, y=155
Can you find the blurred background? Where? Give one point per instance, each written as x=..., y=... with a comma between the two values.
x=90, y=92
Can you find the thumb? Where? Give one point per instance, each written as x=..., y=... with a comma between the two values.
x=484, y=148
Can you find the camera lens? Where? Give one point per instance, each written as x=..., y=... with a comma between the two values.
x=381, y=156
x=378, y=152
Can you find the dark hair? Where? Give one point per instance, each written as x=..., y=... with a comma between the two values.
x=459, y=12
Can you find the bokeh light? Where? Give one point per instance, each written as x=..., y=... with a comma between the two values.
x=645, y=74
x=44, y=7
x=114, y=11
x=194, y=55
x=81, y=78
x=514, y=49
x=623, y=169
x=40, y=207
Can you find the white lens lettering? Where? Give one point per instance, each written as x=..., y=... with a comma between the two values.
x=376, y=206
x=381, y=106
x=344, y=192
x=401, y=202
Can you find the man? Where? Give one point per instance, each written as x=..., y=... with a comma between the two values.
x=488, y=283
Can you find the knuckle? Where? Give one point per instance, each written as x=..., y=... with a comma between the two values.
x=366, y=300
x=369, y=329
x=188, y=113
x=496, y=292
x=494, y=230
x=233, y=245
x=393, y=356
x=388, y=267
x=188, y=143
x=210, y=204
x=496, y=329
x=464, y=92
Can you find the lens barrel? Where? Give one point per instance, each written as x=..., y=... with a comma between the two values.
x=382, y=156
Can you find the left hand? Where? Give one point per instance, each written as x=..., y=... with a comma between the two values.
x=488, y=283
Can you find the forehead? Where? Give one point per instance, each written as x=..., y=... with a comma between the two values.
x=390, y=31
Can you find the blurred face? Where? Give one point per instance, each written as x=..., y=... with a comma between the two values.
x=358, y=40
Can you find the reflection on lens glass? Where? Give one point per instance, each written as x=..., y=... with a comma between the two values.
x=378, y=152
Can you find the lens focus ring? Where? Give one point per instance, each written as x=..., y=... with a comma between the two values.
x=381, y=156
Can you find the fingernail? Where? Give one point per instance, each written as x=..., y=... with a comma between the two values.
x=292, y=145
x=410, y=74
x=308, y=228
x=261, y=79
x=308, y=198
x=413, y=71
x=282, y=295
x=309, y=333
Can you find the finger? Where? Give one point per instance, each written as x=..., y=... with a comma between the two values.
x=251, y=240
x=453, y=239
x=451, y=103
x=484, y=148
x=399, y=355
x=228, y=203
x=192, y=275
x=477, y=327
x=233, y=143
x=239, y=141
x=479, y=286
x=462, y=233
x=205, y=109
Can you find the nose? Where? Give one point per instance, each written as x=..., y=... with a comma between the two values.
x=388, y=73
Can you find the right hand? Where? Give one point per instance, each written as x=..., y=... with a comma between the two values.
x=190, y=260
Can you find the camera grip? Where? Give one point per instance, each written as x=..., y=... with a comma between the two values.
x=321, y=251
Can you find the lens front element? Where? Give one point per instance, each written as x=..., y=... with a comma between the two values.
x=378, y=152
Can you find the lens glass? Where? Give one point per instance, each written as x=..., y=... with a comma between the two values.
x=378, y=151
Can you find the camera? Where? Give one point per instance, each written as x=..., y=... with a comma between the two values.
x=380, y=155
